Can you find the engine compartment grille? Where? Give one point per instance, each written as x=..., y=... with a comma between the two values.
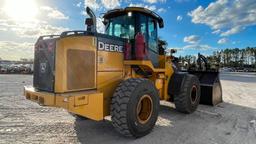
x=81, y=69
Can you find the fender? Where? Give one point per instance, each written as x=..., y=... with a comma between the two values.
x=175, y=84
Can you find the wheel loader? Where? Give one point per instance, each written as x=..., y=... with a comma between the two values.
x=123, y=73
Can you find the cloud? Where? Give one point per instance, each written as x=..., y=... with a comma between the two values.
x=191, y=39
x=223, y=41
x=100, y=25
x=31, y=29
x=3, y=29
x=91, y=3
x=110, y=4
x=10, y=50
x=42, y=29
x=35, y=27
x=197, y=47
x=96, y=4
x=194, y=47
x=27, y=31
x=154, y=1
x=179, y=18
x=79, y=4
x=161, y=10
x=226, y=17
x=150, y=7
x=53, y=13
x=45, y=12
x=181, y=1
x=232, y=31
x=216, y=31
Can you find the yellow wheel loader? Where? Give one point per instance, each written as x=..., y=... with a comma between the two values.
x=123, y=73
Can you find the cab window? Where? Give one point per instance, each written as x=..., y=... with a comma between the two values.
x=152, y=33
x=122, y=26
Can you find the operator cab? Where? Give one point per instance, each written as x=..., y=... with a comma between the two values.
x=139, y=27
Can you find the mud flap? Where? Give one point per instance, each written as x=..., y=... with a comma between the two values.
x=211, y=91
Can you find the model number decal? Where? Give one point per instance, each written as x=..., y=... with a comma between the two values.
x=109, y=47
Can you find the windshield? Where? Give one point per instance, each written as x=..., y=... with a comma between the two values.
x=122, y=26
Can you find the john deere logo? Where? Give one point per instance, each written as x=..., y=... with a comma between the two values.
x=109, y=47
x=42, y=67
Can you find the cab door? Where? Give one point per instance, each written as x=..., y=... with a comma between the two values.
x=152, y=42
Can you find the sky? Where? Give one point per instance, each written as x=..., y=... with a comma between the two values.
x=191, y=26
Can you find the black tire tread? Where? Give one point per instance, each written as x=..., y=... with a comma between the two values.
x=119, y=103
x=180, y=100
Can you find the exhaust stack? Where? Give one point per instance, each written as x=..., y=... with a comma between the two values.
x=91, y=22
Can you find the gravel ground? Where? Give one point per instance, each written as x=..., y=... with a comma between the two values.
x=231, y=122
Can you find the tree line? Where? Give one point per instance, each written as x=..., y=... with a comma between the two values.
x=230, y=57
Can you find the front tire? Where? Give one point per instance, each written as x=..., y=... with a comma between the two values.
x=134, y=107
x=188, y=98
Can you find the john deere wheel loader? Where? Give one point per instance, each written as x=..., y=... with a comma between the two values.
x=122, y=73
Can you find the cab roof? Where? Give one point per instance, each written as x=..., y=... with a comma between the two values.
x=117, y=12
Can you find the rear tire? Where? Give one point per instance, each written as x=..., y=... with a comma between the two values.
x=134, y=107
x=188, y=99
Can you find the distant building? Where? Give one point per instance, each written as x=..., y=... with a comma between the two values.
x=25, y=60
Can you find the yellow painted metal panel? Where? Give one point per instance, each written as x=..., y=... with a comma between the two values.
x=166, y=70
x=85, y=103
x=62, y=102
x=43, y=98
x=109, y=74
x=159, y=83
x=168, y=73
x=110, y=61
x=81, y=100
x=162, y=61
x=63, y=45
x=93, y=109
x=145, y=63
x=107, y=84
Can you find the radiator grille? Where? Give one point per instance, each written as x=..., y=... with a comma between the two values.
x=80, y=69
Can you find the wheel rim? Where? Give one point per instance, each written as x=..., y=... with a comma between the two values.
x=193, y=94
x=144, y=109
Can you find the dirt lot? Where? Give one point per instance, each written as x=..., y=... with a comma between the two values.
x=232, y=122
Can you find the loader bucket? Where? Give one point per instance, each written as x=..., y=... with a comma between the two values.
x=211, y=91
